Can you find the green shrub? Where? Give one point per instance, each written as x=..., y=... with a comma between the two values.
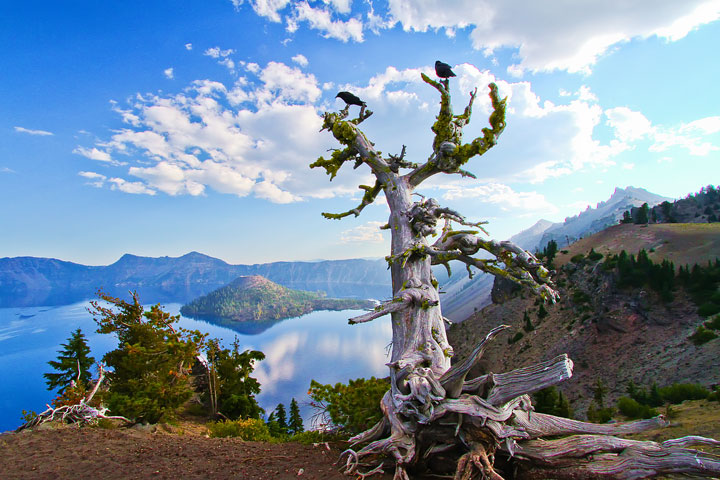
x=577, y=258
x=313, y=436
x=352, y=408
x=702, y=335
x=580, y=297
x=713, y=323
x=599, y=415
x=515, y=338
x=632, y=409
x=594, y=256
x=679, y=392
x=708, y=309
x=250, y=429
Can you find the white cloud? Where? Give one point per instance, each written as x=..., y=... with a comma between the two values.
x=130, y=187
x=628, y=125
x=95, y=154
x=631, y=126
x=341, y=6
x=288, y=84
x=567, y=36
x=188, y=46
x=505, y=197
x=42, y=133
x=367, y=233
x=300, y=59
x=169, y=73
x=217, y=52
x=268, y=8
x=321, y=19
x=6, y=170
x=96, y=180
x=253, y=139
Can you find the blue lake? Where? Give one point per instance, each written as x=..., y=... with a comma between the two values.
x=319, y=346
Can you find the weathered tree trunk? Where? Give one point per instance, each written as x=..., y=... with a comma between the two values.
x=431, y=409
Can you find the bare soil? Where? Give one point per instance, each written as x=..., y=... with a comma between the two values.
x=70, y=452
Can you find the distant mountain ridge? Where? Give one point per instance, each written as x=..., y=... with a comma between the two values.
x=465, y=296
x=592, y=220
x=32, y=281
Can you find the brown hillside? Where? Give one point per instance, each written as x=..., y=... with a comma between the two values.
x=612, y=334
x=681, y=243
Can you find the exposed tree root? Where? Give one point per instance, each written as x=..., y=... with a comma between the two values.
x=494, y=416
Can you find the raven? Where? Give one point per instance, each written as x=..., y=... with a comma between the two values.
x=350, y=99
x=443, y=70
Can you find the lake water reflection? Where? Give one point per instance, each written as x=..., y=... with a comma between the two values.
x=319, y=346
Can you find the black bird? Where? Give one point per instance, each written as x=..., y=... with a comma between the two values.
x=350, y=99
x=443, y=70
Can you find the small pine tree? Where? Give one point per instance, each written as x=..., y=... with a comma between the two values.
x=600, y=391
x=528, y=327
x=642, y=215
x=627, y=218
x=281, y=418
x=296, y=423
x=72, y=365
x=542, y=313
x=150, y=375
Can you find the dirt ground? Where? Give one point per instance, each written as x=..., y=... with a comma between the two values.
x=76, y=453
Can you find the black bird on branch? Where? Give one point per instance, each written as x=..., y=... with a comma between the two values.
x=443, y=70
x=351, y=99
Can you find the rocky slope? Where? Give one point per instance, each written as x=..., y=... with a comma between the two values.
x=611, y=333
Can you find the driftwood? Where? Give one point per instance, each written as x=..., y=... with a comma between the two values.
x=81, y=413
x=432, y=410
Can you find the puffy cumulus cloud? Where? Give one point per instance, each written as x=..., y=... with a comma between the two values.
x=289, y=84
x=300, y=59
x=367, y=233
x=628, y=125
x=255, y=138
x=169, y=73
x=321, y=19
x=504, y=197
x=567, y=36
x=42, y=133
x=341, y=6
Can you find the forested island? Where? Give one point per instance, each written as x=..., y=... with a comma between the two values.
x=256, y=299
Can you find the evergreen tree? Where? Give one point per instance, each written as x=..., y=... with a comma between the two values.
x=150, y=375
x=232, y=390
x=642, y=215
x=550, y=251
x=627, y=218
x=296, y=422
x=72, y=365
x=542, y=312
x=528, y=327
x=600, y=391
x=281, y=417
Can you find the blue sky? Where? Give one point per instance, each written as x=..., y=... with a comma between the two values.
x=159, y=128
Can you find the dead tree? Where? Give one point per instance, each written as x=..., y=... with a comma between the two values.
x=81, y=413
x=431, y=409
